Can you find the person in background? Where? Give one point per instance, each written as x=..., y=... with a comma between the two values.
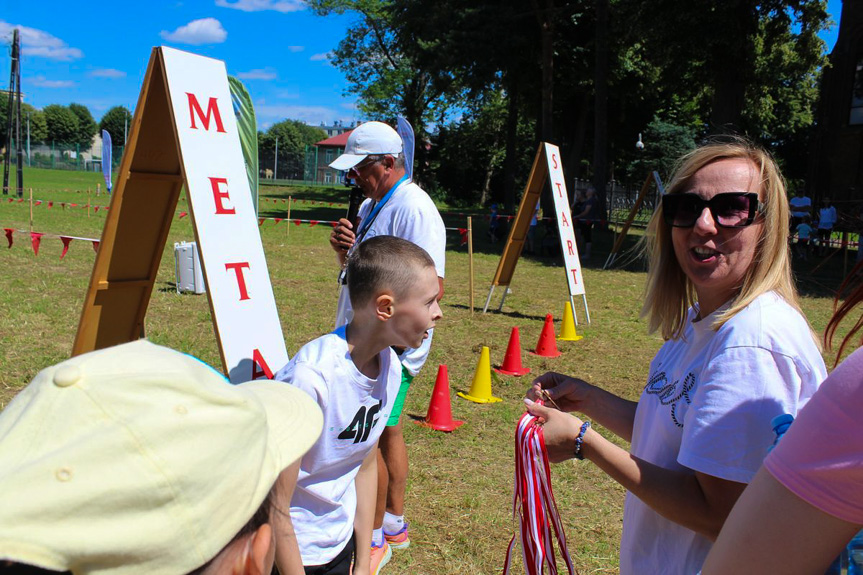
x=738, y=351
x=806, y=501
x=531, y=231
x=140, y=459
x=398, y=207
x=584, y=221
x=493, y=224
x=801, y=206
x=827, y=218
x=804, y=232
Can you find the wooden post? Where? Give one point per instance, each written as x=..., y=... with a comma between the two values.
x=290, y=200
x=31, y=210
x=470, y=263
x=98, y=190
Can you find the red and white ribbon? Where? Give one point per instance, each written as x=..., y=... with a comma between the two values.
x=533, y=502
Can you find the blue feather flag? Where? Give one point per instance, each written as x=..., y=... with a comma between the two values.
x=106, y=158
x=406, y=133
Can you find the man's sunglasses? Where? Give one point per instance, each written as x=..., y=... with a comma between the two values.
x=729, y=210
x=364, y=164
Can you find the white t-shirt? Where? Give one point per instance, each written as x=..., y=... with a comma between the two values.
x=707, y=407
x=411, y=215
x=799, y=202
x=356, y=410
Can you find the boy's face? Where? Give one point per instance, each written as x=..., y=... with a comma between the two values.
x=416, y=311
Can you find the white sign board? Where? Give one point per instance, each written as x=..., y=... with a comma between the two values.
x=565, y=225
x=235, y=270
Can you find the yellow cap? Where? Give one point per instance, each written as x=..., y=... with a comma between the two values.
x=141, y=459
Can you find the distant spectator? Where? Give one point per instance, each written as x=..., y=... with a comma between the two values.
x=493, y=224
x=140, y=459
x=827, y=218
x=801, y=206
x=804, y=230
x=531, y=232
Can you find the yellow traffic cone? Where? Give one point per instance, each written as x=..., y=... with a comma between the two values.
x=567, y=329
x=480, y=389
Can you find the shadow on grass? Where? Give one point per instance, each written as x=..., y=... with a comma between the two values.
x=513, y=314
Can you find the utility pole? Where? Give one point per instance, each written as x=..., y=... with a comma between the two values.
x=14, y=76
x=28, y=138
x=16, y=51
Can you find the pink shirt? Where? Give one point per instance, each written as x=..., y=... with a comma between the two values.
x=820, y=459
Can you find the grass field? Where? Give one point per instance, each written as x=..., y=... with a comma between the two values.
x=460, y=487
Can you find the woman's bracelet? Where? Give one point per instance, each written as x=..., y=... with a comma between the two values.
x=580, y=440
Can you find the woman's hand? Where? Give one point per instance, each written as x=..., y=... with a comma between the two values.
x=559, y=431
x=568, y=393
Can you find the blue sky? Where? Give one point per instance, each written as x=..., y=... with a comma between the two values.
x=96, y=54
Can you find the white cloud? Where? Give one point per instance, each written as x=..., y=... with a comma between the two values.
x=349, y=105
x=296, y=48
x=107, y=73
x=197, y=32
x=259, y=74
x=320, y=57
x=287, y=94
x=43, y=82
x=40, y=44
x=283, y=6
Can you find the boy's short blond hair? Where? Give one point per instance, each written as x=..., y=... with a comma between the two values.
x=384, y=263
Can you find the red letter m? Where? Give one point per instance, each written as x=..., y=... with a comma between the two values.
x=212, y=108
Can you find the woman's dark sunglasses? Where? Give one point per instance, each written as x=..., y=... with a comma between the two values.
x=729, y=210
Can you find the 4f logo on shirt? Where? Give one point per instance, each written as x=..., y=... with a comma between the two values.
x=362, y=424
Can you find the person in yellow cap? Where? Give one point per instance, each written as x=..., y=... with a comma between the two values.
x=140, y=459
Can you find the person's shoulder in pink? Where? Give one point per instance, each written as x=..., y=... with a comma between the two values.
x=820, y=459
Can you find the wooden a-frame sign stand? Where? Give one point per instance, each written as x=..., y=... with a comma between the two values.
x=546, y=165
x=175, y=140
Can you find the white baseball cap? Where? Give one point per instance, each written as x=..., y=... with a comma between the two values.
x=371, y=138
x=141, y=459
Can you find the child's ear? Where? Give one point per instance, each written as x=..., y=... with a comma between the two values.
x=256, y=558
x=384, y=306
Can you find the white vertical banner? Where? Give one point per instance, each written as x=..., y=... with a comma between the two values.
x=235, y=270
x=565, y=225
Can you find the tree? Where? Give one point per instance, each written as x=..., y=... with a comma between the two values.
x=86, y=126
x=117, y=121
x=293, y=137
x=38, y=129
x=62, y=124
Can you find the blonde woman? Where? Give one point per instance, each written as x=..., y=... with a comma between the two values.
x=738, y=352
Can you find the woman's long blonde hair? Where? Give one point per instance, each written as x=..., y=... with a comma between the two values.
x=669, y=293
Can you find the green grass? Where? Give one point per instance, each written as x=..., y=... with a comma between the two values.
x=460, y=485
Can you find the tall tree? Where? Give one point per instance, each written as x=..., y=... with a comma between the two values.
x=86, y=125
x=293, y=139
x=118, y=122
x=62, y=124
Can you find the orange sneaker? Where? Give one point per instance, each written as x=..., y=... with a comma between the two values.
x=399, y=539
x=380, y=557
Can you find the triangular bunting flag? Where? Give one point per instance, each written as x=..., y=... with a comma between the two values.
x=9, y=235
x=96, y=246
x=35, y=240
x=313, y=223
x=66, y=241
x=50, y=204
x=183, y=215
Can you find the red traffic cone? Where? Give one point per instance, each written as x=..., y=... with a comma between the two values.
x=439, y=415
x=547, y=346
x=512, y=359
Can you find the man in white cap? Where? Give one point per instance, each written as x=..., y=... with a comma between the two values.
x=395, y=206
x=140, y=459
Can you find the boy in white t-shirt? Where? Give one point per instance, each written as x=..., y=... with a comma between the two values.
x=354, y=376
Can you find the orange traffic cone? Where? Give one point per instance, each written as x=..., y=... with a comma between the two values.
x=546, y=346
x=439, y=415
x=512, y=359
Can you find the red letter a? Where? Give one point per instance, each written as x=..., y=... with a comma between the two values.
x=258, y=361
x=212, y=108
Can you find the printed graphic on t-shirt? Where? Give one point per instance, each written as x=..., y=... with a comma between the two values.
x=671, y=393
x=362, y=424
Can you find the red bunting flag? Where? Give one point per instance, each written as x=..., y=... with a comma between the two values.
x=20, y=200
x=334, y=224
x=66, y=241
x=9, y=235
x=260, y=222
x=278, y=220
x=284, y=201
x=297, y=222
x=97, y=209
x=11, y=200
x=35, y=240
x=63, y=205
x=183, y=215
x=73, y=205
x=313, y=223
x=463, y=232
x=50, y=204
x=96, y=246
x=38, y=202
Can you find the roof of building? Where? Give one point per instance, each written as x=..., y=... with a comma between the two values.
x=337, y=141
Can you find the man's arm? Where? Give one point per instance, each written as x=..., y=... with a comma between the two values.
x=367, y=493
x=288, y=558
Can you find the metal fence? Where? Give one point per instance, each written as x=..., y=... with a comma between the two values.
x=61, y=156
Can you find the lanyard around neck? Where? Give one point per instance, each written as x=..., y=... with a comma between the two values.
x=367, y=222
